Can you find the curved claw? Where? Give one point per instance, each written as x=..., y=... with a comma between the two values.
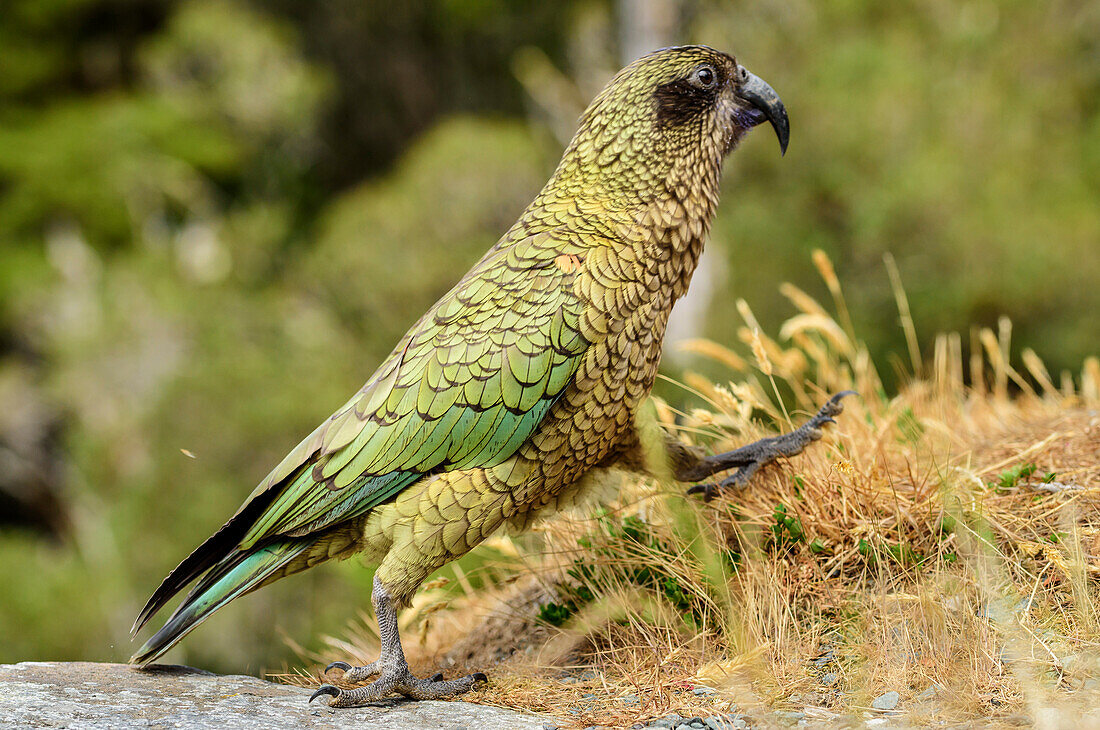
x=342, y=666
x=832, y=407
x=479, y=677
x=707, y=490
x=325, y=689
x=835, y=400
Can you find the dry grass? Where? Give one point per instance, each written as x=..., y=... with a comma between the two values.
x=943, y=543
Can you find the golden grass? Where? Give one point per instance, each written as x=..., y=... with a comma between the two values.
x=943, y=543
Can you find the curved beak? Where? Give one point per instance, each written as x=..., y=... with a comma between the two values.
x=756, y=92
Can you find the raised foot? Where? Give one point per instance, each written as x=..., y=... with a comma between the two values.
x=401, y=682
x=748, y=459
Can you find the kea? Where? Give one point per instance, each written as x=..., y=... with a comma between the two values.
x=521, y=384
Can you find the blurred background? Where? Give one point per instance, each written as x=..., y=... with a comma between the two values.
x=217, y=216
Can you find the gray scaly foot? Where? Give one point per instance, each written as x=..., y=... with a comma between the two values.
x=391, y=665
x=748, y=459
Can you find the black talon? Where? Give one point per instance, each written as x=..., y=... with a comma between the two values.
x=707, y=490
x=325, y=689
x=437, y=677
x=338, y=665
x=479, y=677
x=835, y=400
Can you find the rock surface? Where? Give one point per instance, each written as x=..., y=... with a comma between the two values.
x=89, y=695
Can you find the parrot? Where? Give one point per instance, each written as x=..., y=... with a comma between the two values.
x=521, y=385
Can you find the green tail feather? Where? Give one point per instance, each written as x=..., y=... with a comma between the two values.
x=222, y=584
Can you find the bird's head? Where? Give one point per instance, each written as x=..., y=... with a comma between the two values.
x=681, y=108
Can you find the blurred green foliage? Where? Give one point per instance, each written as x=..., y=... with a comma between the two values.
x=217, y=217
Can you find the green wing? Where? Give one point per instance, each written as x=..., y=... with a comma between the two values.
x=464, y=388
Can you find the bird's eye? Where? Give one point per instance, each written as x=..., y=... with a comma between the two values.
x=704, y=77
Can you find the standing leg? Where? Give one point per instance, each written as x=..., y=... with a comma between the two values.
x=396, y=676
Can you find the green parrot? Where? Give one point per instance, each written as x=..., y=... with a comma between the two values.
x=520, y=384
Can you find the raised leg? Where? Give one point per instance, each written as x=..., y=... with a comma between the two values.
x=395, y=675
x=748, y=459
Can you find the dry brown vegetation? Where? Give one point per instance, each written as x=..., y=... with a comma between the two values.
x=943, y=543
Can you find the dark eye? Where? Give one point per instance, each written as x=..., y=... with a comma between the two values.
x=704, y=77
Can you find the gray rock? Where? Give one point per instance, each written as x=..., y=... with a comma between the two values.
x=89, y=696
x=886, y=701
x=702, y=690
x=828, y=679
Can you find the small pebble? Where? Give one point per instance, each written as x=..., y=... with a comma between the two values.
x=629, y=699
x=717, y=723
x=928, y=694
x=886, y=701
x=588, y=696
x=702, y=690
x=828, y=679
x=549, y=727
x=790, y=716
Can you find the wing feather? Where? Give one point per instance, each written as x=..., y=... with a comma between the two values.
x=465, y=387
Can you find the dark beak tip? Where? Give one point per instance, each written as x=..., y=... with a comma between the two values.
x=780, y=125
x=760, y=95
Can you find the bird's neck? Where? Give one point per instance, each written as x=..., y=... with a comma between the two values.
x=677, y=223
x=666, y=200
x=673, y=221
x=658, y=199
